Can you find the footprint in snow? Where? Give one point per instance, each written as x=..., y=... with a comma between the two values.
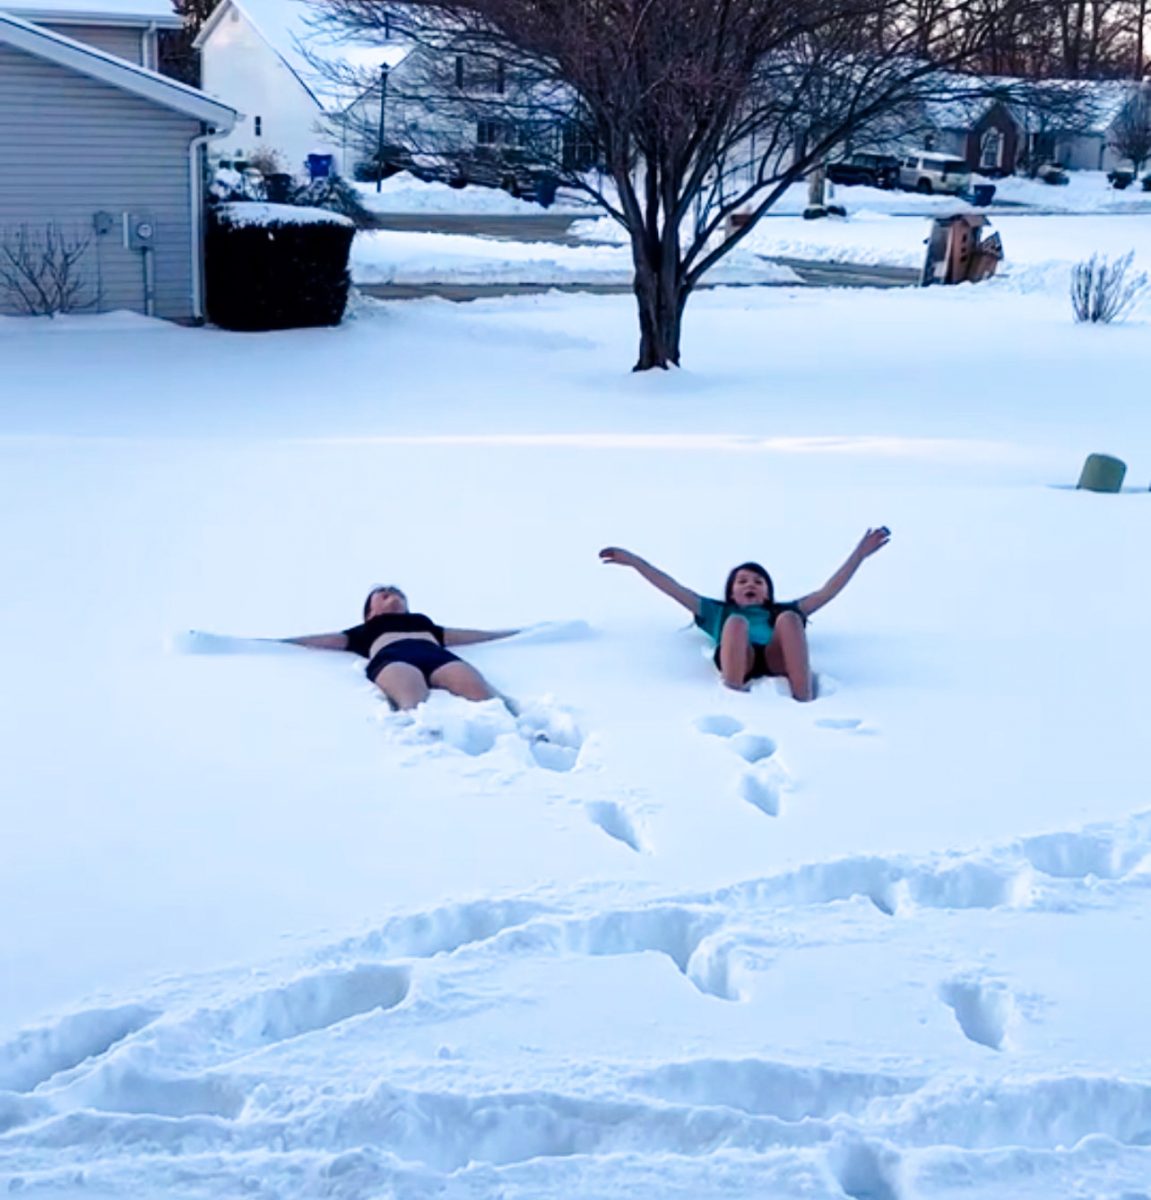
x=616, y=822
x=472, y=728
x=763, y=781
x=554, y=738
x=847, y=725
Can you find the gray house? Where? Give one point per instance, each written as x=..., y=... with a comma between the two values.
x=125, y=28
x=103, y=168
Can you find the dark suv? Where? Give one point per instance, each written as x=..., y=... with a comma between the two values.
x=507, y=167
x=874, y=170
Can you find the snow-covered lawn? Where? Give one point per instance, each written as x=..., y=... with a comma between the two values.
x=264, y=939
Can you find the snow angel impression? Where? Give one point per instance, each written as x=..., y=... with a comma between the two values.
x=407, y=652
x=754, y=634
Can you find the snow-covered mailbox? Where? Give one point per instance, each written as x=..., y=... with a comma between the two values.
x=277, y=266
x=957, y=251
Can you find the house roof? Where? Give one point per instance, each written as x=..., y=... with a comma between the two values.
x=98, y=12
x=87, y=60
x=294, y=31
x=1078, y=105
x=1104, y=100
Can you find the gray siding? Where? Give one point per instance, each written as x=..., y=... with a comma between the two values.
x=73, y=146
x=112, y=39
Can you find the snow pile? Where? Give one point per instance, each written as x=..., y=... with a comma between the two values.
x=385, y=256
x=404, y=193
x=650, y=937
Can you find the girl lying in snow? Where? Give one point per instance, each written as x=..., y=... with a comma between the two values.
x=405, y=651
x=755, y=634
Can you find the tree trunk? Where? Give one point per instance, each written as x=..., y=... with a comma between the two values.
x=658, y=295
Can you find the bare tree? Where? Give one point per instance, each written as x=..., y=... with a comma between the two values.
x=41, y=271
x=1131, y=130
x=177, y=57
x=703, y=110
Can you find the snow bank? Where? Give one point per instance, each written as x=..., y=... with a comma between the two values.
x=391, y=257
x=403, y=193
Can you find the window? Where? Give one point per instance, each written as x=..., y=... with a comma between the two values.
x=501, y=79
x=488, y=133
x=459, y=70
x=258, y=124
x=991, y=150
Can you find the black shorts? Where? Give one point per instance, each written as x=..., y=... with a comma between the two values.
x=427, y=657
x=758, y=663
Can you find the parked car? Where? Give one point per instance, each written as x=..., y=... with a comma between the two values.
x=506, y=167
x=930, y=171
x=389, y=161
x=872, y=170
x=1053, y=173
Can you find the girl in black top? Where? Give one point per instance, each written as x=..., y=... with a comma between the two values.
x=406, y=651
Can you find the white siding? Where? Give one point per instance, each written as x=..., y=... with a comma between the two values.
x=72, y=147
x=238, y=67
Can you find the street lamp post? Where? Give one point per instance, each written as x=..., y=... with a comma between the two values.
x=380, y=130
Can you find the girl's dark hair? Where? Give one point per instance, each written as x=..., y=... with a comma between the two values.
x=772, y=605
x=756, y=569
x=384, y=587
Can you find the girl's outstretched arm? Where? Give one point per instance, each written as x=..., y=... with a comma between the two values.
x=468, y=637
x=872, y=540
x=316, y=641
x=657, y=578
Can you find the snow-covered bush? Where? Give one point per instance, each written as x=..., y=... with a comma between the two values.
x=1102, y=290
x=276, y=266
x=337, y=195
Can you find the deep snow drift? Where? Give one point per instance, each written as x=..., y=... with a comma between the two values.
x=266, y=939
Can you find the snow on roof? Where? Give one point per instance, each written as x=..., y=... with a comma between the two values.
x=119, y=12
x=294, y=30
x=958, y=112
x=1106, y=99
x=1082, y=105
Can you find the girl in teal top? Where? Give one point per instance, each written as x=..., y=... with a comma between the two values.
x=754, y=634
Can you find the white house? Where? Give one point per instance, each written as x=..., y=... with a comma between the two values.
x=265, y=58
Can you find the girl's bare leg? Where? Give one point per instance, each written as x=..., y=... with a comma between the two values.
x=787, y=655
x=462, y=679
x=735, y=653
x=403, y=685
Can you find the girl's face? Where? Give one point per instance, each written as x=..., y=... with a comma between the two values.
x=387, y=600
x=748, y=587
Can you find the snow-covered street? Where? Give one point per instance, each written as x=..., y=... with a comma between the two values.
x=266, y=938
